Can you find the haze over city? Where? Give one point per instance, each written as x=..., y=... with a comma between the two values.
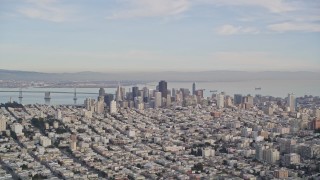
x=159, y=89
x=159, y=35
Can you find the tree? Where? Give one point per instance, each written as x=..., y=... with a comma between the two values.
x=198, y=167
x=81, y=130
x=235, y=165
x=139, y=166
x=24, y=167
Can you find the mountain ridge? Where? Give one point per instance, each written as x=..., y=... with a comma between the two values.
x=214, y=75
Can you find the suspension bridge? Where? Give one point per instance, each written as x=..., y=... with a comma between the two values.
x=47, y=94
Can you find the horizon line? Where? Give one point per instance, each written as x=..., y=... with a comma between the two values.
x=161, y=71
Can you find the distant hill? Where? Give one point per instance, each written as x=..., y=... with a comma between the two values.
x=213, y=76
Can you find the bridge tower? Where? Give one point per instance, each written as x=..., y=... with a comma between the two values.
x=47, y=97
x=20, y=96
x=75, y=96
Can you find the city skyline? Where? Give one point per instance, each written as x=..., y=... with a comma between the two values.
x=140, y=35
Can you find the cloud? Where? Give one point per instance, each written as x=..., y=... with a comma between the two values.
x=228, y=29
x=275, y=6
x=295, y=26
x=47, y=10
x=151, y=8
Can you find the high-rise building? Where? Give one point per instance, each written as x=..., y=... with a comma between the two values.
x=237, y=99
x=102, y=92
x=108, y=98
x=157, y=99
x=174, y=92
x=123, y=93
x=291, y=158
x=113, y=107
x=135, y=92
x=260, y=151
x=199, y=93
x=272, y=156
x=73, y=142
x=3, y=123
x=145, y=94
x=292, y=102
x=286, y=144
x=194, y=88
x=220, y=100
x=248, y=100
x=229, y=101
x=168, y=102
x=119, y=94
x=185, y=92
x=89, y=104
x=163, y=88
x=100, y=105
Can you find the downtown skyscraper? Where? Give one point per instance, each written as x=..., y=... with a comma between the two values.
x=163, y=88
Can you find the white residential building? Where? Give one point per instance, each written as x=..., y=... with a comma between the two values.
x=113, y=107
x=45, y=141
x=3, y=123
x=220, y=100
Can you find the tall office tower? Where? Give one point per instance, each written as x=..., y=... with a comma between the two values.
x=169, y=92
x=129, y=96
x=100, y=105
x=3, y=123
x=194, y=88
x=199, y=93
x=113, y=107
x=141, y=93
x=138, y=103
x=174, y=92
x=237, y=99
x=249, y=100
x=272, y=156
x=145, y=94
x=157, y=99
x=168, y=103
x=118, y=94
x=292, y=102
x=123, y=93
x=108, y=98
x=220, y=100
x=73, y=142
x=163, y=88
x=151, y=93
x=185, y=92
x=102, y=92
x=135, y=92
x=89, y=104
x=229, y=101
x=179, y=96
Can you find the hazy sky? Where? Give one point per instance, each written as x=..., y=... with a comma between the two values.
x=147, y=35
